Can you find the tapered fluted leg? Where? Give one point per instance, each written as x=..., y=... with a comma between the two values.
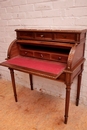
x=31, y=81
x=67, y=103
x=13, y=83
x=78, y=89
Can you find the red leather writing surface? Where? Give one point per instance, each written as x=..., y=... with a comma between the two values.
x=38, y=64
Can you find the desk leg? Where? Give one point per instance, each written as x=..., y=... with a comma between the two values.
x=78, y=89
x=31, y=81
x=67, y=103
x=13, y=83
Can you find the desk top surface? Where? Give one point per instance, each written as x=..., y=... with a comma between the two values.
x=69, y=30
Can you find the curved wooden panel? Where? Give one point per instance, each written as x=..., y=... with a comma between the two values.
x=76, y=54
x=12, y=50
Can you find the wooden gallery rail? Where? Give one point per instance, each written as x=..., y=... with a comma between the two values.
x=53, y=54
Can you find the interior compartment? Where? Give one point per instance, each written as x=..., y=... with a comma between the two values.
x=48, y=49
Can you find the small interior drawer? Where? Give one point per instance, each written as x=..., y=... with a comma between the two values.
x=60, y=58
x=44, y=36
x=42, y=55
x=26, y=53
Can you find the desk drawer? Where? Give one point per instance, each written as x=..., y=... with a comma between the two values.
x=66, y=36
x=44, y=36
x=25, y=35
x=26, y=53
x=42, y=55
x=59, y=57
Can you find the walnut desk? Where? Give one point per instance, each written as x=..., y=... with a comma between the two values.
x=53, y=54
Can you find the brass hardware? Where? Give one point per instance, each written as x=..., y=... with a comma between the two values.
x=68, y=67
x=42, y=36
x=25, y=52
x=59, y=58
x=41, y=55
x=76, y=44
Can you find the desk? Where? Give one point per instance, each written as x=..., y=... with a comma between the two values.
x=53, y=54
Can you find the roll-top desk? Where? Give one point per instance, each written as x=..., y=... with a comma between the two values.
x=53, y=54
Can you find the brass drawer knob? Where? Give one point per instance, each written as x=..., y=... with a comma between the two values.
x=25, y=52
x=42, y=36
x=41, y=55
x=59, y=58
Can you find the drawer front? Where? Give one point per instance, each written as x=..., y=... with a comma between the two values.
x=26, y=53
x=65, y=36
x=42, y=55
x=59, y=58
x=44, y=36
x=25, y=35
